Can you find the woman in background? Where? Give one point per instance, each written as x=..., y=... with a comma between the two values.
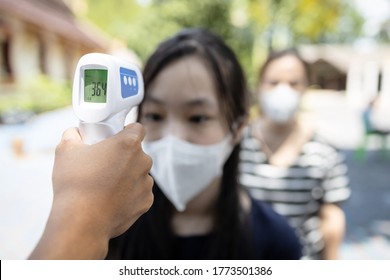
x=286, y=164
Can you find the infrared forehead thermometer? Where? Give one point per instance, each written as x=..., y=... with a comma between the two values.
x=105, y=88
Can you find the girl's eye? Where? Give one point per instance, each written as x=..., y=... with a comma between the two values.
x=153, y=117
x=273, y=83
x=197, y=119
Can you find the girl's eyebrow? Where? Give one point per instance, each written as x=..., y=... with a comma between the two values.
x=196, y=102
x=200, y=102
x=154, y=100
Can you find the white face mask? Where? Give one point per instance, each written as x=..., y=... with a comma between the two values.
x=280, y=104
x=182, y=169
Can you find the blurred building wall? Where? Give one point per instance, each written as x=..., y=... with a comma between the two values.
x=42, y=37
x=363, y=72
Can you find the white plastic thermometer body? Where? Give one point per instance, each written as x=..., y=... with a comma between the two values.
x=105, y=88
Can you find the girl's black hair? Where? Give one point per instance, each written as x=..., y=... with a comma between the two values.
x=151, y=236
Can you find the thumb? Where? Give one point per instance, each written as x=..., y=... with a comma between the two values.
x=70, y=138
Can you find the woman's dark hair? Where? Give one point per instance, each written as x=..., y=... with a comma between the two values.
x=151, y=236
x=274, y=55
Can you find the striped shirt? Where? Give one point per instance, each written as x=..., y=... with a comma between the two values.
x=317, y=176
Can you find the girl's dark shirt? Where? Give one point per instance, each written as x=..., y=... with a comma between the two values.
x=272, y=237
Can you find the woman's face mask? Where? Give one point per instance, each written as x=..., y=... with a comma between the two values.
x=182, y=170
x=280, y=104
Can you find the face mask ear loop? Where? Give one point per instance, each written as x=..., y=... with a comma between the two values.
x=170, y=174
x=237, y=128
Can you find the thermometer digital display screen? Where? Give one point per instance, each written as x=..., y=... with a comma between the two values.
x=95, y=85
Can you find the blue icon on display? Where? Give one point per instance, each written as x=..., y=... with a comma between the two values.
x=129, y=82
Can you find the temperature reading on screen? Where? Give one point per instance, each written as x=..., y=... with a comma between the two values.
x=95, y=85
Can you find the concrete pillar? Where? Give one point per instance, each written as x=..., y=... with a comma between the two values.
x=354, y=86
x=385, y=85
x=24, y=53
x=54, y=56
x=370, y=80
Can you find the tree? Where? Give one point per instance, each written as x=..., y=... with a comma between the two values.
x=250, y=27
x=284, y=23
x=305, y=21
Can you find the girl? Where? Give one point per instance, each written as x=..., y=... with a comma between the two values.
x=194, y=110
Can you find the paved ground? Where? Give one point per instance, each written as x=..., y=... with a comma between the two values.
x=25, y=181
x=368, y=209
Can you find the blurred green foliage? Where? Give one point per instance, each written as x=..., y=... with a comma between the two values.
x=250, y=27
x=36, y=96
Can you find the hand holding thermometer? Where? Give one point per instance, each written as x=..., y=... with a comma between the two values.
x=105, y=88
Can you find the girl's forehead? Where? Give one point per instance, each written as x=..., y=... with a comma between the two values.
x=286, y=65
x=185, y=79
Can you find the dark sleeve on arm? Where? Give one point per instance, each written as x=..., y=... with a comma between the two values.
x=274, y=238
